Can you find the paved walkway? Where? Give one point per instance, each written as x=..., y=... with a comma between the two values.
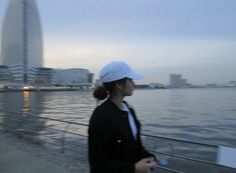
x=19, y=156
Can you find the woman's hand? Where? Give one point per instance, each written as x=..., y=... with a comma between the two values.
x=145, y=165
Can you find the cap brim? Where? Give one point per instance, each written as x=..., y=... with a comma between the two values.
x=136, y=76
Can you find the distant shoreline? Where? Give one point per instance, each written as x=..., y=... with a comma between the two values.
x=45, y=89
x=4, y=90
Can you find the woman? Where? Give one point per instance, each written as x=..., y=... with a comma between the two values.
x=114, y=131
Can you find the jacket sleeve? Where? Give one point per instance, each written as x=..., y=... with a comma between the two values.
x=143, y=152
x=99, y=146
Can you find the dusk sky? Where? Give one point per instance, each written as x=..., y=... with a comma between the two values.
x=195, y=38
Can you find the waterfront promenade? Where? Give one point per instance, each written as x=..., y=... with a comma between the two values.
x=19, y=156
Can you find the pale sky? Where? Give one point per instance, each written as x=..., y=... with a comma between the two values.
x=196, y=38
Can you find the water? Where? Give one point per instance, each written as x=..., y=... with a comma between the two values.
x=206, y=115
x=201, y=115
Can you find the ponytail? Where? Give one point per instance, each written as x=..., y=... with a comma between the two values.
x=100, y=93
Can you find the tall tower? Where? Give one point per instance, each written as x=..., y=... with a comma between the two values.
x=176, y=81
x=22, y=47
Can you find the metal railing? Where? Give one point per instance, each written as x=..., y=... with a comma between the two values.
x=70, y=138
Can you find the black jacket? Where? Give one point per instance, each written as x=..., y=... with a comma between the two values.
x=112, y=148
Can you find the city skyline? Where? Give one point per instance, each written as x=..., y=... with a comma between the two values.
x=194, y=38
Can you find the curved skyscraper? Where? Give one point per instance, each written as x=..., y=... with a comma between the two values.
x=22, y=47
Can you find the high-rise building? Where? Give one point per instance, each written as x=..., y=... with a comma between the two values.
x=22, y=48
x=74, y=76
x=176, y=81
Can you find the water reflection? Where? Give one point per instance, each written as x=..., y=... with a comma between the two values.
x=20, y=111
x=25, y=109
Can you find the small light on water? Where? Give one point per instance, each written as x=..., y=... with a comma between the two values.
x=19, y=130
x=25, y=108
x=26, y=88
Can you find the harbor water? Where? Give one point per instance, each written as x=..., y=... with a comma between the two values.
x=206, y=115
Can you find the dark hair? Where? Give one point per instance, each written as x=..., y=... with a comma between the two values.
x=102, y=92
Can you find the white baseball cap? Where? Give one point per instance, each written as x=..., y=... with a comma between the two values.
x=118, y=70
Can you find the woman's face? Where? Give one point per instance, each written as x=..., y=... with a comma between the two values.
x=128, y=87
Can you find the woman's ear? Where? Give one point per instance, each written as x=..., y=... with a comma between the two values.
x=119, y=86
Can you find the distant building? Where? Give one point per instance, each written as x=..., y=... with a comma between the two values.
x=176, y=81
x=36, y=75
x=21, y=44
x=231, y=84
x=5, y=75
x=41, y=76
x=74, y=76
x=157, y=85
